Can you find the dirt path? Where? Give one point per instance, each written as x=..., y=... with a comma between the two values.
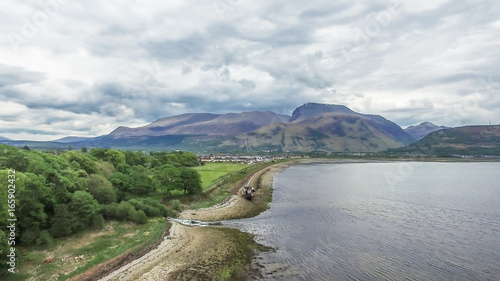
x=203, y=253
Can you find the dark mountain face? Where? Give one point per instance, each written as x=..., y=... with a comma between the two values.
x=422, y=130
x=309, y=110
x=333, y=132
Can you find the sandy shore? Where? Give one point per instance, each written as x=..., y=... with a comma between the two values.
x=205, y=253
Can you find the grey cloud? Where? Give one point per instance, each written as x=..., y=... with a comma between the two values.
x=416, y=55
x=186, y=69
x=192, y=46
x=247, y=83
x=29, y=131
x=314, y=80
x=13, y=75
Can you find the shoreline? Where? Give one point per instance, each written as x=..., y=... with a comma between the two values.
x=190, y=252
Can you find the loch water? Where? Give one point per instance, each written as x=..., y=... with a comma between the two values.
x=381, y=221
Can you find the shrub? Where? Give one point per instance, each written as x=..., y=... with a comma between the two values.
x=140, y=217
x=172, y=213
x=97, y=222
x=44, y=239
x=125, y=211
x=176, y=204
x=164, y=211
x=151, y=211
x=110, y=211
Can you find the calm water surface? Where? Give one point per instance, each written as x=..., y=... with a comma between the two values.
x=382, y=221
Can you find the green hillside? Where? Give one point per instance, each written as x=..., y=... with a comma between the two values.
x=470, y=140
x=60, y=196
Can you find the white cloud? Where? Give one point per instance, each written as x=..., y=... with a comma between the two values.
x=96, y=65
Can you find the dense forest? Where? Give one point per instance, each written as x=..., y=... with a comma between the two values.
x=58, y=194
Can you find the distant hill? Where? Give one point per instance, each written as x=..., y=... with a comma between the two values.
x=469, y=140
x=422, y=130
x=71, y=139
x=4, y=138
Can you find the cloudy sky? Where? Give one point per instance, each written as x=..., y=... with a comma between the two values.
x=83, y=68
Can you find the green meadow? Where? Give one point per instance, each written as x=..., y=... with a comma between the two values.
x=212, y=172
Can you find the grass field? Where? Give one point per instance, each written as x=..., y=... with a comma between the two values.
x=210, y=172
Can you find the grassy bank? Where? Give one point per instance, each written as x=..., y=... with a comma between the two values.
x=76, y=254
x=225, y=186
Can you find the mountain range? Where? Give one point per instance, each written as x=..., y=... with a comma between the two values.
x=311, y=127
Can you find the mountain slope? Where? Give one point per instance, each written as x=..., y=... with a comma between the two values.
x=310, y=110
x=333, y=132
x=203, y=124
x=469, y=140
x=422, y=130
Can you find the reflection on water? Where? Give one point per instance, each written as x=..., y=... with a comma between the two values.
x=345, y=222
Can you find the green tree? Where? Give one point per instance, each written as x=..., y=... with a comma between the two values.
x=4, y=247
x=142, y=181
x=187, y=159
x=60, y=186
x=61, y=222
x=169, y=178
x=82, y=207
x=33, y=198
x=114, y=157
x=101, y=189
x=85, y=161
x=191, y=181
x=135, y=158
x=98, y=153
x=122, y=183
x=13, y=158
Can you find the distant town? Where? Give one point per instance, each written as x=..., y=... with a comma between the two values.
x=244, y=159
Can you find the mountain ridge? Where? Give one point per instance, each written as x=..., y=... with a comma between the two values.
x=311, y=127
x=203, y=124
x=423, y=129
x=466, y=140
x=329, y=132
